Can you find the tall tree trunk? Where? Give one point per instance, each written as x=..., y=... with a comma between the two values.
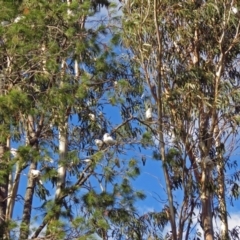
x=3, y=165
x=28, y=199
x=206, y=200
x=160, y=128
x=13, y=184
x=63, y=144
x=204, y=147
x=61, y=176
x=27, y=209
x=61, y=171
x=12, y=191
x=221, y=185
x=222, y=201
x=3, y=190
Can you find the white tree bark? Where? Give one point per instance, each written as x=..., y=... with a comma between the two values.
x=63, y=144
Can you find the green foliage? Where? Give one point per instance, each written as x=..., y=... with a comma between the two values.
x=9, y=106
x=147, y=139
x=102, y=200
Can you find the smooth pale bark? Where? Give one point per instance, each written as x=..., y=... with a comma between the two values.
x=207, y=219
x=63, y=139
x=12, y=191
x=14, y=179
x=62, y=169
x=221, y=188
x=222, y=202
x=27, y=209
x=32, y=140
x=63, y=144
x=206, y=207
x=62, y=148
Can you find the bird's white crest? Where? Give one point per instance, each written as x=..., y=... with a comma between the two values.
x=234, y=10
x=108, y=139
x=149, y=114
x=35, y=173
x=98, y=142
x=17, y=19
x=92, y=117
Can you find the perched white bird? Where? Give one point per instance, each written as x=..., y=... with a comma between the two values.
x=148, y=114
x=36, y=174
x=234, y=10
x=208, y=160
x=19, y=18
x=99, y=143
x=92, y=117
x=198, y=160
x=115, y=84
x=13, y=151
x=108, y=139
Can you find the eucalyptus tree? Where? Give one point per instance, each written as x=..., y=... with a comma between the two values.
x=57, y=72
x=188, y=54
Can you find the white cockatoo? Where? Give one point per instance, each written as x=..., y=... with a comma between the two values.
x=108, y=139
x=234, y=10
x=13, y=152
x=208, y=160
x=198, y=160
x=148, y=114
x=98, y=142
x=36, y=174
x=92, y=117
x=19, y=18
